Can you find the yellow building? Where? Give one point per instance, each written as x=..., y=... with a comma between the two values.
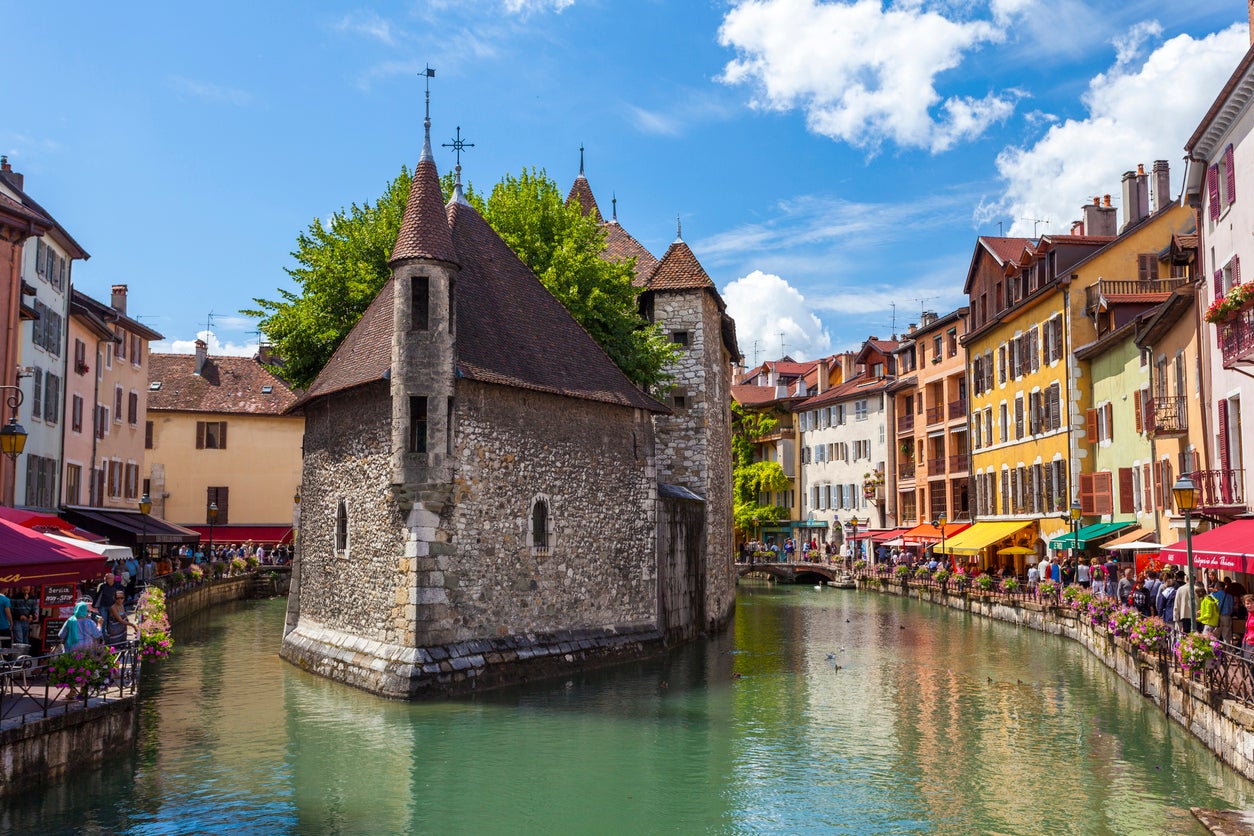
x=221, y=436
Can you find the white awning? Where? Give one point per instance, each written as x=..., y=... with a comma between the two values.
x=108, y=552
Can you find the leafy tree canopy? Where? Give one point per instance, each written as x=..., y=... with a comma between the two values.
x=342, y=264
x=751, y=479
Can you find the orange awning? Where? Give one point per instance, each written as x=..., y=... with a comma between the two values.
x=927, y=533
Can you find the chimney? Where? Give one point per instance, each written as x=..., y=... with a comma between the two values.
x=265, y=354
x=911, y=329
x=781, y=391
x=738, y=374
x=821, y=377
x=1131, y=197
x=1077, y=228
x=1142, y=190
x=17, y=180
x=118, y=300
x=1162, y=183
x=1099, y=217
x=846, y=366
x=202, y=355
x=928, y=318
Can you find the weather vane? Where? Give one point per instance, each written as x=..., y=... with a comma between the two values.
x=458, y=145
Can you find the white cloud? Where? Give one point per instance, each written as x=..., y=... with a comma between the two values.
x=527, y=7
x=764, y=306
x=1138, y=111
x=865, y=73
x=220, y=349
x=367, y=24
x=651, y=122
x=210, y=92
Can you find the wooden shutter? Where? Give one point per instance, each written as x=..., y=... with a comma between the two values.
x=1090, y=425
x=1223, y=436
x=1110, y=420
x=1126, y=478
x=1147, y=493
x=1219, y=284
x=200, y=436
x=1136, y=408
x=1212, y=187
x=1103, y=485
x=1158, y=483
x=1168, y=481
x=1086, y=493
x=1197, y=461
x=1231, y=175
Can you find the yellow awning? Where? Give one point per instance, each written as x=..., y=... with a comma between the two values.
x=980, y=536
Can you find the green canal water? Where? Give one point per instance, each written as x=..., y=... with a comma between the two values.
x=935, y=722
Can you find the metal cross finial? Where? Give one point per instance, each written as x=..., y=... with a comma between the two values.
x=458, y=145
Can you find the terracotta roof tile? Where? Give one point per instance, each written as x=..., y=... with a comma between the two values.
x=746, y=395
x=365, y=355
x=26, y=213
x=424, y=230
x=512, y=331
x=1005, y=249
x=580, y=191
x=230, y=385
x=679, y=270
x=620, y=246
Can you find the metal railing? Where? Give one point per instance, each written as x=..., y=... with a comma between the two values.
x=1168, y=416
x=26, y=691
x=905, y=470
x=1219, y=488
x=958, y=462
x=957, y=409
x=936, y=466
x=935, y=414
x=905, y=423
x=1236, y=337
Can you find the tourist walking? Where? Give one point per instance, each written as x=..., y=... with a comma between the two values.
x=25, y=609
x=118, y=622
x=1208, y=615
x=6, y=621
x=1165, y=602
x=1227, y=605
x=1082, y=575
x=1247, y=643
x=1184, y=605
x=79, y=630
x=1126, y=584
x=1141, y=598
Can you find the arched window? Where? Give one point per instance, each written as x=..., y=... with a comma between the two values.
x=341, y=529
x=540, y=525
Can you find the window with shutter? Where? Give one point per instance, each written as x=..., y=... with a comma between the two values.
x=1086, y=493
x=1090, y=426
x=1158, y=485
x=1136, y=409
x=1126, y=480
x=118, y=394
x=1019, y=416
x=1001, y=365
x=1169, y=498
x=1103, y=500
x=1147, y=267
x=1212, y=191
x=147, y=435
x=221, y=497
x=1050, y=491
x=52, y=398
x=132, y=408
x=1223, y=450
x=1219, y=283
x=1230, y=176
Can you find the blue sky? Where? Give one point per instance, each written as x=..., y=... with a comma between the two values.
x=832, y=162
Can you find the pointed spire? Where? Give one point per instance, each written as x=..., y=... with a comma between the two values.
x=614, y=206
x=426, y=122
x=679, y=229
x=581, y=159
x=458, y=195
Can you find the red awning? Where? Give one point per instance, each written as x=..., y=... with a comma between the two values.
x=225, y=535
x=40, y=521
x=28, y=557
x=926, y=534
x=1229, y=547
x=885, y=536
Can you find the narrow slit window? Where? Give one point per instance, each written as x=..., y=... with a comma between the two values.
x=421, y=290
x=341, y=527
x=540, y=525
x=418, y=425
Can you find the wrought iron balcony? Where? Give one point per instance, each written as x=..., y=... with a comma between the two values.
x=936, y=466
x=905, y=470
x=1168, y=416
x=935, y=414
x=957, y=409
x=1236, y=337
x=1114, y=291
x=958, y=463
x=1219, y=489
x=905, y=423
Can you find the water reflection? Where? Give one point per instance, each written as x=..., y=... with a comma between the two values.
x=925, y=721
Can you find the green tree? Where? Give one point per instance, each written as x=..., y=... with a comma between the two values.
x=750, y=479
x=342, y=264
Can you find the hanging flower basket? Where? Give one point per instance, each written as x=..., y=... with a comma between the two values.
x=1226, y=307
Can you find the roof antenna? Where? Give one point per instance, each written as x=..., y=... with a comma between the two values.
x=893, y=305
x=1000, y=234
x=782, y=353
x=458, y=145
x=208, y=330
x=429, y=74
x=1035, y=223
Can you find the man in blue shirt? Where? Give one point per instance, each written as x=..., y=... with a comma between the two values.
x=1226, y=605
x=6, y=621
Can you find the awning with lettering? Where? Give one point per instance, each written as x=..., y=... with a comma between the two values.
x=980, y=536
x=1229, y=548
x=926, y=534
x=130, y=527
x=1087, y=535
x=28, y=557
x=228, y=534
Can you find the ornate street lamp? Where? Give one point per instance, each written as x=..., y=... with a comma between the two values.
x=145, y=506
x=213, y=517
x=12, y=435
x=1186, y=500
x=939, y=522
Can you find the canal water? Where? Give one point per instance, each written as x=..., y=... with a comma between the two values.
x=925, y=721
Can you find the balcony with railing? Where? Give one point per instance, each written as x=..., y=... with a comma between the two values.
x=1236, y=337
x=1168, y=416
x=936, y=466
x=780, y=432
x=957, y=409
x=905, y=422
x=935, y=414
x=905, y=470
x=959, y=463
x=1114, y=291
x=1219, y=489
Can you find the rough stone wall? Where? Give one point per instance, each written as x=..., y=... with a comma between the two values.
x=681, y=552
x=694, y=445
x=365, y=591
x=593, y=463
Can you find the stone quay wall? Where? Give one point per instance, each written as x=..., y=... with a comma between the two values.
x=1225, y=726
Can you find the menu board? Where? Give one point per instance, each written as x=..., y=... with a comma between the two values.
x=59, y=595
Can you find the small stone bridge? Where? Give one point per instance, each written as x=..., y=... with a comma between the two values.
x=793, y=572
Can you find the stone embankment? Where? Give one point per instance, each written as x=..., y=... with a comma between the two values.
x=1225, y=726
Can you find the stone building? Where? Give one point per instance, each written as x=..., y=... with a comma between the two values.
x=481, y=500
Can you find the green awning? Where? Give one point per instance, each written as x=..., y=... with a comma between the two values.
x=1088, y=535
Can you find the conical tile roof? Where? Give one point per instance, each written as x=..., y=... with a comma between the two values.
x=424, y=229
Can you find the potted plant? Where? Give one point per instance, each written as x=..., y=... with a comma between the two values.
x=1010, y=585
x=155, y=641
x=84, y=670
x=1150, y=635
x=985, y=582
x=1197, y=652
x=942, y=575
x=237, y=565
x=1123, y=620
x=1047, y=589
